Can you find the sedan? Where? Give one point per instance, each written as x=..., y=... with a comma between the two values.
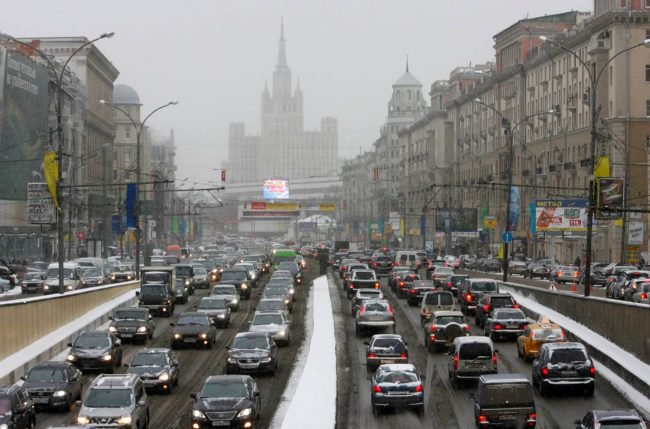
x=417, y=291
x=53, y=384
x=96, y=350
x=396, y=385
x=642, y=293
x=374, y=314
x=132, y=323
x=274, y=322
x=226, y=400
x=252, y=352
x=565, y=274
x=385, y=348
x=217, y=310
x=505, y=323
x=158, y=368
x=228, y=293
x=273, y=304
x=193, y=329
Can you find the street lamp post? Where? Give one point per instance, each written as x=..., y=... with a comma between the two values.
x=59, y=131
x=594, y=78
x=138, y=169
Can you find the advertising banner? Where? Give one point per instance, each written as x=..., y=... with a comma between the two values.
x=23, y=122
x=514, y=208
x=40, y=205
x=609, y=197
x=635, y=233
x=275, y=189
x=457, y=220
x=561, y=215
x=327, y=207
x=489, y=222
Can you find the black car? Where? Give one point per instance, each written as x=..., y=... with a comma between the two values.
x=252, y=352
x=17, y=409
x=417, y=290
x=182, y=293
x=385, y=348
x=193, y=329
x=91, y=277
x=382, y=265
x=488, y=303
x=239, y=278
x=217, y=309
x=132, y=323
x=564, y=366
x=227, y=400
x=33, y=282
x=96, y=350
x=53, y=384
x=505, y=323
x=504, y=400
x=539, y=269
x=158, y=368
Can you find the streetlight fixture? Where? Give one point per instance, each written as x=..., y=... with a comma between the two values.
x=59, y=130
x=509, y=130
x=594, y=78
x=138, y=169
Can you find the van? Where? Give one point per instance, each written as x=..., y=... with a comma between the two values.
x=471, y=357
x=408, y=258
x=504, y=400
x=472, y=290
x=71, y=277
x=435, y=301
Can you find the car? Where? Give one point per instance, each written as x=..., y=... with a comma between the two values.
x=91, y=277
x=201, y=277
x=193, y=329
x=294, y=269
x=393, y=276
x=96, y=350
x=384, y=349
x=396, y=385
x=492, y=265
x=374, y=314
x=408, y=258
x=132, y=323
x=536, y=334
x=505, y=323
x=435, y=301
x=565, y=274
x=32, y=282
x=472, y=290
x=443, y=328
x=122, y=273
x=617, y=288
x=470, y=357
x=182, y=291
x=274, y=322
x=217, y=310
x=633, y=286
x=237, y=277
x=17, y=410
x=273, y=304
x=540, y=268
x=71, y=275
x=642, y=292
x=602, y=419
x=504, y=400
x=441, y=274
x=417, y=290
x=251, y=269
x=53, y=384
x=229, y=293
x=116, y=400
x=252, y=352
x=343, y=265
x=186, y=273
x=280, y=292
x=405, y=284
x=158, y=368
x=361, y=279
x=517, y=266
x=453, y=283
x=363, y=294
x=488, y=303
x=382, y=264
x=228, y=401
x=565, y=365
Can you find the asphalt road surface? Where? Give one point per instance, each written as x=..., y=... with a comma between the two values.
x=446, y=407
x=173, y=411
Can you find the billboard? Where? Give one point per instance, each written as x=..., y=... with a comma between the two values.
x=23, y=122
x=275, y=189
x=561, y=215
x=609, y=194
x=40, y=205
x=457, y=220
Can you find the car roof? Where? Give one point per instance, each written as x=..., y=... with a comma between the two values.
x=503, y=378
x=387, y=336
x=397, y=367
x=140, y=309
x=153, y=350
x=500, y=295
x=222, y=378
x=193, y=313
x=252, y=334
x=52, y=364
x=107, y=381
x=472, y=339
x=447, y=313
x=565, y=345
x=95, y=333
x=480, y=279
x=603, y=415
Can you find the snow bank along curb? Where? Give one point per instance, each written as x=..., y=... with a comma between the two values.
x=612, y=362
x=16, y=365
x=319, y=370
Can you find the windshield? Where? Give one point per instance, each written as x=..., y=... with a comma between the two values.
x=33, y=276
x=375, y=306
x=108, y=398
x=193, y=320
x=53, y=273
x=473, y=350
x=504, y=315
x=224, y=389
x=158, y=277
x=233, y=275
x=439, y=299
x=153, y=290
x=501, y=301
x=282, y=274
x=92, y=342
x=397, y=377
x=268, y=319
x=92, y=272
x=46, y=374
x=483, y=286
x=130, y=315
x=568, y=356
x=223, y=291
x=183, y=271
x=250, y=343
x=516, y=394
x=271, y=305
x=149, y=359
x=389, y=343
x=213, y=304
x=445, y=320
x=364, y=275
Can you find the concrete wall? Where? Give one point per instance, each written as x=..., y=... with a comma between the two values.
x=25, y=321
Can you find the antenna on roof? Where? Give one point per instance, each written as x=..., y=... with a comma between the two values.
x=407, y=62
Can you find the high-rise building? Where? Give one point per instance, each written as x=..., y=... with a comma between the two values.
x=284, y=149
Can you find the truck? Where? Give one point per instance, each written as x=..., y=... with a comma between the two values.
x=341, y=245
x=158, y=290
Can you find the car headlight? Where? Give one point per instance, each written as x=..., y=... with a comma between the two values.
x=221, y=316
x=267, y=359
x=187, y=282
x=113, y=277
x=128, y=277
x=69, y=287
x=45, y=287
x=286, y=301
x=142, y=329
x=245, y=412
x=177, y=336
x=112, y=329
x=198, y=414
x=234, y=301
x=204, y=336
x=291, y=291
x=3, y=426
x=107, y=358
x=282, y=333
x=253, y=277
x=60, y=393
x=72, y=358
x=126, y=420
x=83, y=420
x=244, y=286
x=163, y=377
x=232, y=360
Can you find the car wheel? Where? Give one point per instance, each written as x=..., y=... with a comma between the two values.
x=375, y=410
x=589, y=391
x=357, y=330
x=420, y=410
x=543, y=390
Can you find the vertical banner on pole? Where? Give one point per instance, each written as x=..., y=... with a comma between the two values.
x=131, y=195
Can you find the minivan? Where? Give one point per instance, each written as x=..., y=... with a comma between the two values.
x=471, y=357
x=71, y=277
x=408, y=258
x=504, y=400
x=435, y=301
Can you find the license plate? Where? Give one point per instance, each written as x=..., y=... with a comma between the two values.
x=126, y=335
x=398, y=393
x=41, y=400
x=221, y=423
x=189, y=340
x=383, y=361
x=515, y=326
x=568, y=373
x=507, y=417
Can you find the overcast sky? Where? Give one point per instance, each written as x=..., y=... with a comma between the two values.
x=214, y=56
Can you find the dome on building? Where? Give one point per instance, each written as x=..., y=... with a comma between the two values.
x=407, y=79
x=124, y=94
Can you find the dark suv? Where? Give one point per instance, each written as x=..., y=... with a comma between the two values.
x=382, y=265
x=490, y=302
x=53, y=384
x=227, y=400
x=504, y=400
x=472, y=290
x=132, y=323
x=16, y=408
x=239, y=278
x=564, y=366
x=96, y=350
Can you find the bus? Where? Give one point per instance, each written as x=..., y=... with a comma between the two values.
x=281, y=255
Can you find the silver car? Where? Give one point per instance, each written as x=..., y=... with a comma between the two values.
x=274, y=322
x=374, y=314
x=281, y=293
x=228, y=293
x=273, y=304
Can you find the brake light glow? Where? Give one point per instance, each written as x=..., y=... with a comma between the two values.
x=494, y=359
x=559, y=274
x=371, y=356
x=644, y=296
x=376, y=265
x=456, y=361
x=432, y=337
x=532, y=417
x=486, y=308
x=466, y=328
x=468, y=297
x=376, y=389
x=498, y=327
x=449, y=284
x=376, y=285
x=390, y=309
x=523, y=326
x=403, y=356
x=592, y=371
x=362, y=310
x=482, y=419
x=419, y=388
x=391, y=264
x=544, y=372
x=515, y=306
x=401, y=284
x=413, y=292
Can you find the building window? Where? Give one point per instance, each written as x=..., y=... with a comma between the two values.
x=647, y=71
x=647, y=107
x=128, y=130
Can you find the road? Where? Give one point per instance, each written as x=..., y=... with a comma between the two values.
x=173, y=411
x=445, y=406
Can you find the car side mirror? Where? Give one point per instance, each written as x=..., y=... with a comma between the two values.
x=250, y=322
x=150, y=317
x=256, y=393
x=110, y=317
x=118, y=342
x=69, y=344
x=172, y=324
x=24, y=378
x=77, y=404
x=142, y=402
x=137, y=293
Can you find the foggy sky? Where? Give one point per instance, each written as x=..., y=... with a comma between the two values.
x=214, y=56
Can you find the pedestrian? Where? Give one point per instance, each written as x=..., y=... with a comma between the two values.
x=577, y=262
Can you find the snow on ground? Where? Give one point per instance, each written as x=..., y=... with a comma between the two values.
x=319, y=371
x=20, y=358
x=14, y=291
x=599, y=342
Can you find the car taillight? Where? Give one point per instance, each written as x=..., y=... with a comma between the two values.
x=497, y=327
x=559, y=273
x=361, y=311
x=403, y=356
x=432, y=328
x=532, y=417
x=592, y=371
x=376, y=285
x=544, y=372
x=515, y=306
x=575, y=274
x=401, y=284
x=466, y=328
x=376, y=265
x=468, y=297
x=449, y=284
x=376, y=389
x=419, y=388
x=390, y=309
x=482, y=419
x=435, y=276
x=522, y=326
x=391, y=264
x=486, y=308
x=456, y=361
x=413, y=291
x=494, y=359
x=371, y=356
x=644, y=296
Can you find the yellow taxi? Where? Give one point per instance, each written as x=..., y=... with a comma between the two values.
x=536, y=334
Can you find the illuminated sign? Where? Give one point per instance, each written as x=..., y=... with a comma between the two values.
x=275, y=189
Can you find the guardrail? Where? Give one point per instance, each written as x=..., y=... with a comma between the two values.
x=25, y=321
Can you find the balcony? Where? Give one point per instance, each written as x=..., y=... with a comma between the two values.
x=586, y=162
x=540, y=171
x=525, y=173
x=570, y=166
x=553, y=168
